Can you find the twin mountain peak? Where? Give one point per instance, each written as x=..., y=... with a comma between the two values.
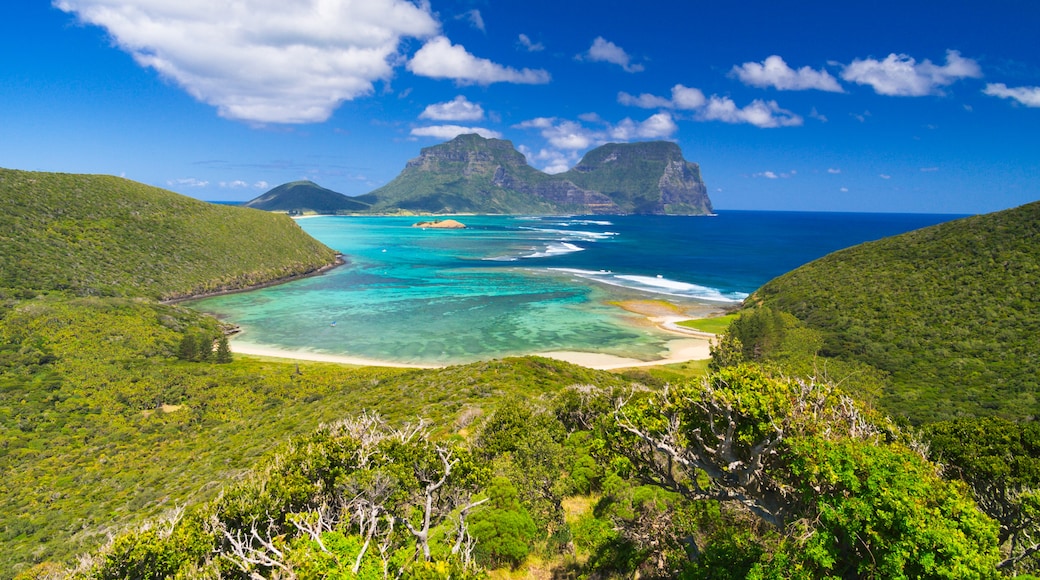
x=471, y=174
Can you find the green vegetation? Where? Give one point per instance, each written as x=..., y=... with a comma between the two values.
x=951, y=313
x=743, y=475
x=470, y=174
x=102, y=235
x=125, y=418
x=305, y=197
x=715, y=325
x=643, y=178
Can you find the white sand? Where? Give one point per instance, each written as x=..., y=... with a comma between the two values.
x=694, y=346
x=254, y=350
x=679, y=351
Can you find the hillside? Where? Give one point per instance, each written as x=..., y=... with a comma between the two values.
x=952, y=312
x=103, y=235
x=305, y=197
x=470, y=174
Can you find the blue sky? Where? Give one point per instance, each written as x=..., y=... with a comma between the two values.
x=914, y=106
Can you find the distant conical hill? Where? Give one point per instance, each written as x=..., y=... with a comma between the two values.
x=471, y=174
x=104, y=235
x=301, y=197
x=950, y=312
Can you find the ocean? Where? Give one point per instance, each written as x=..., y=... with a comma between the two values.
x=514, y=285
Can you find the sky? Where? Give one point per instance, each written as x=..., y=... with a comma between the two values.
x=901, y=106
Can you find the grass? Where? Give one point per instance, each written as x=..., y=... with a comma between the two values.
x=716, y=325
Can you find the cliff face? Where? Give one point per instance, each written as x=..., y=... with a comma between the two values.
x=473, y=174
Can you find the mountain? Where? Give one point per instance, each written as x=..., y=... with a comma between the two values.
x=950, y=312
x=299, y=197
x=104, y=235
x=471, y=174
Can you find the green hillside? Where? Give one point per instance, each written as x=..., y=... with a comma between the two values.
x=951, y=312
x=103, y=235
x=305, y=197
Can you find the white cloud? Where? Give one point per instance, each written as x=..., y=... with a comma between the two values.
x=263, y=61
x=817, y=115
x=901, y=75
x=775, y=175
x=602, y=50
x=440, y=59
x=1028, y=96
x=457, y=109
x=262, y=185
x=452, y=131
x=236, y=184
x=566, y=138
x=844, y=190
x=682, y=98
x=833, y=171
x=187, y=182
x=659, y=126
x=884, y=176
x=774, y=72
x=530, y=45
x=474, y=18
x=764, y=114
x=550, y=161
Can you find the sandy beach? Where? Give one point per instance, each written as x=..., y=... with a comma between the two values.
x=693, y=346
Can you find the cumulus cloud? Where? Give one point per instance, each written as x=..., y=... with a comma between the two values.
x=1028, y=96
x=682, y=98
x=833, y=171
x=764, y=114
x=901, y=75
x=775, y=175
x=565, y=138
x=457, y=109
x=884, y=176
x=602, y=50
x=659, y=126
x=550, y=161
x=530, y=45
x=440, y=59
x=448, y=132
x=262, y=61
x=774, y=72
x=236, y=184
x=262, y=185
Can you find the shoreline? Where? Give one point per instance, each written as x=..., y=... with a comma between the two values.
x=339, y=261
x=693, y=346
x=688, y=349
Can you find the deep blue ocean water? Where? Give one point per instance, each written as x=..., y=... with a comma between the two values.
x=511, y=285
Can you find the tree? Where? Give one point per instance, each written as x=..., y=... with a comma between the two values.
x=503, y=529
x=1000, y=462
x=188, y=349
x=847, y=496
x=223, y=355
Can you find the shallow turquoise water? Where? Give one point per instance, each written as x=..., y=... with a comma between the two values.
x=515, y=285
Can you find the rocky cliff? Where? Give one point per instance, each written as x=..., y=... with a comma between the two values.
x=470, y=174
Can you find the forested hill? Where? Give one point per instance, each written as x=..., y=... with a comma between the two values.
x=951, y=311
x=104, y=235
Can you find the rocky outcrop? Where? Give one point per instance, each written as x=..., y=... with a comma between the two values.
x=441, y=225
x=470, y=174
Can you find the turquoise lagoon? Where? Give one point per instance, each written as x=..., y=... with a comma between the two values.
x=514, y=285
